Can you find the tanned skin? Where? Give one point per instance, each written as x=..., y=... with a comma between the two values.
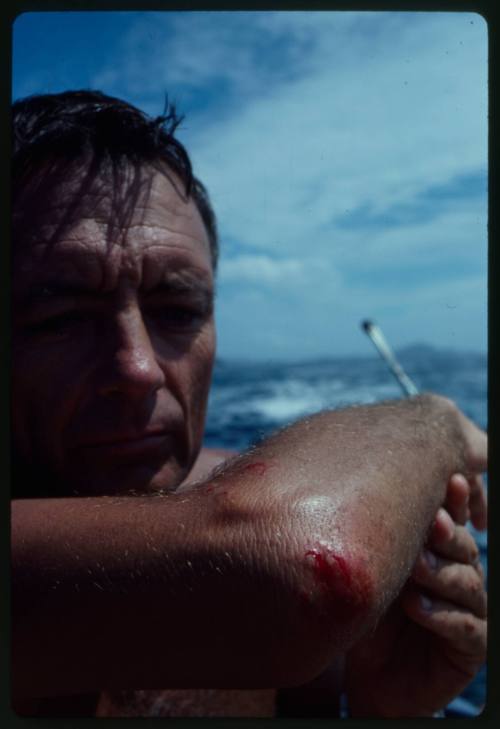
x=258, y=577
x=257, y=564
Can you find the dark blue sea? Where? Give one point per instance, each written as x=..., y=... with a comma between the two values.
x=251, y=400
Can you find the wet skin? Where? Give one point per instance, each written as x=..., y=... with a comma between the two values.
x=113, y=339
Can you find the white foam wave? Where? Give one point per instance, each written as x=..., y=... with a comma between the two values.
x=293, y=399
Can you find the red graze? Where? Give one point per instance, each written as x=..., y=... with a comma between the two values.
x=343, y=580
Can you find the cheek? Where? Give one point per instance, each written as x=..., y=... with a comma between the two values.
x=43, y=394
x=201, y=360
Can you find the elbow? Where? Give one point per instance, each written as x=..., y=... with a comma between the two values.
x=335, y=568
x=323, y=593
x=334, y=603
x=338, y=598
x=338, y=587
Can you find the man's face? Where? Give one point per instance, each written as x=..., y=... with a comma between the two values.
x=113, y=340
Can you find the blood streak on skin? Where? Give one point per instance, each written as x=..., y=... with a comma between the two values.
x=346, y=582
x=211, y=488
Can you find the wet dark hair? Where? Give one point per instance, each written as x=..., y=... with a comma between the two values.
x=54, y=133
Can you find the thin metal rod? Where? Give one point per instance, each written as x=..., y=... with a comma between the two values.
x=378, y=339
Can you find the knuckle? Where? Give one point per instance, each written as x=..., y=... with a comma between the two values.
x=474, y=554
x=477, y=482
x=475, y=587
x=446, y=402
x=465, y=542
x=464, y=580
x=455, y=581
x=471, y=628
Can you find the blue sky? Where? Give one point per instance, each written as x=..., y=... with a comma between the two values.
x=345, y=153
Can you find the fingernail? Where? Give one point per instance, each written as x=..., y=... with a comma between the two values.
x=447, y=522
x=431, y=559
x=460, y=478
x=425, y=603
x=446, y=518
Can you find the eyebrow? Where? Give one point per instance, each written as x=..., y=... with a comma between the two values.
x=173, y=283
x=48, y=291
x=195, y=287
x=182, y=281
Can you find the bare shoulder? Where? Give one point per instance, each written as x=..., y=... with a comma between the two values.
x=207, y=460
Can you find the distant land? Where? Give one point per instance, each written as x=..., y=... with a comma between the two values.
x=423, y=348
x=417, y=350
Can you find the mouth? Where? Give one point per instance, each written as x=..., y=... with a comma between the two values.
x=129, y=444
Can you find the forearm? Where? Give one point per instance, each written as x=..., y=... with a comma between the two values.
x=282, y=558
x=370, y=479
x=142, y=592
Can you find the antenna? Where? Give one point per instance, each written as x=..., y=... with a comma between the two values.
x=383, y=348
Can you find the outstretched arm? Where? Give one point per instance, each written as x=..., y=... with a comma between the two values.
x=256, y=578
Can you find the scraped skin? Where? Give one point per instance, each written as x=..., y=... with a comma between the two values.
x=258, y=467
x=340, y=576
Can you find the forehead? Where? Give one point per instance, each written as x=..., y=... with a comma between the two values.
x=138, y=227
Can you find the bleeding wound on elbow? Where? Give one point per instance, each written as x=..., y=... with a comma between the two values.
x=341, y=582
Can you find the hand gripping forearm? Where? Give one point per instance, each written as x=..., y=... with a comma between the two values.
x=360, y=488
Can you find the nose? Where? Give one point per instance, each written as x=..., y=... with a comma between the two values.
x=131, y=366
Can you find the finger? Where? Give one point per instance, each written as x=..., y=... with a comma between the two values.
x=457, y=498
x=452, y=541
x=465, y=632
x=476, y=445
x=442, y=529
x=478, y=502
x=454, y=582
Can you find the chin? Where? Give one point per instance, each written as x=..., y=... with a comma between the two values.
x=129, y=481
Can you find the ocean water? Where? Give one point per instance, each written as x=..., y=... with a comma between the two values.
x=251, y=400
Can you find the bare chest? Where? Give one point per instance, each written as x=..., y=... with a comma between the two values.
x=188, y=703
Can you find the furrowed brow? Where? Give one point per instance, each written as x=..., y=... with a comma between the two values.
x=184, y=283
x=47, y=292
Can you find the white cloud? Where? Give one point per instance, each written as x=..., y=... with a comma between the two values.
x=457, y=237
x=373, y=129
x=259, y=269
x=376, y=107
x=301, y=161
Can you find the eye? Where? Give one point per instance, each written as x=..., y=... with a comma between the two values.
x=60, y=325
x=177, y=317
